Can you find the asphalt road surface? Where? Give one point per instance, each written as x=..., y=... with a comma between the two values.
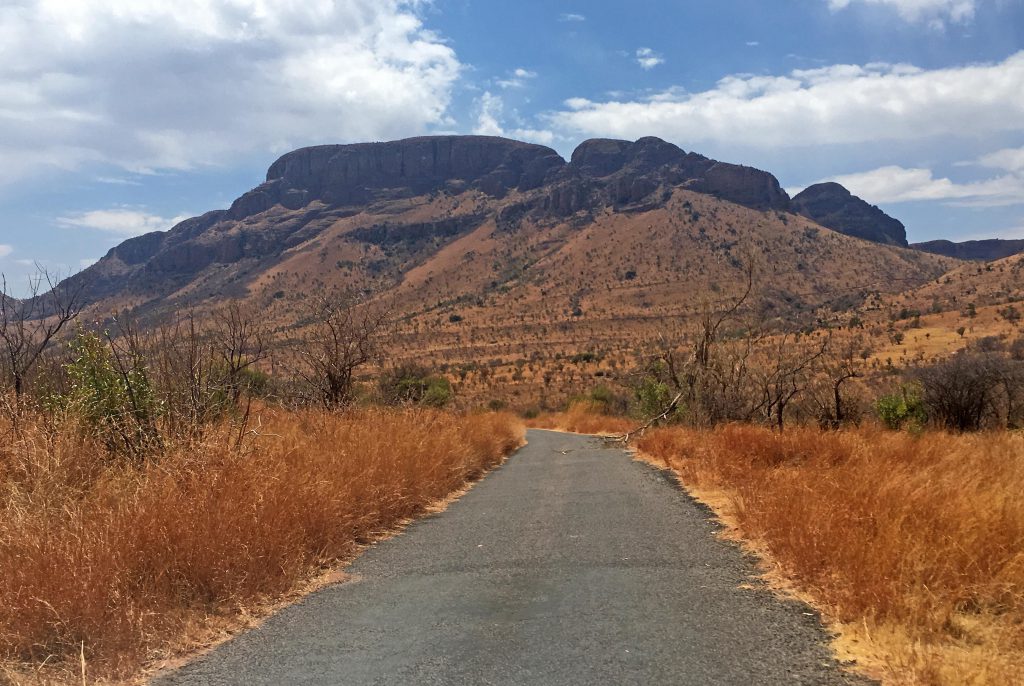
x=571, y=564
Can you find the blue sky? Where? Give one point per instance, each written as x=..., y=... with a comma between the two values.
x=124, y=116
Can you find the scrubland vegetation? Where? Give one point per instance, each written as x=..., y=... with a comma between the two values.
x=889, y=498
x=159, y=483
x=158, y=487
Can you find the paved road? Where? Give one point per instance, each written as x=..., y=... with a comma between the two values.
x=571, y=564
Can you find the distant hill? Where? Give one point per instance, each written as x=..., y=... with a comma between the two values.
x=833, y=206
x=985, y=250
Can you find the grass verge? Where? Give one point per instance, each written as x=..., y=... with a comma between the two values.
x=912, y=545
x=108, y=566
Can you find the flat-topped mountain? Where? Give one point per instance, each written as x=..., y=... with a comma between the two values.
x=985, y=250
x=483, y=243
x=833, y=206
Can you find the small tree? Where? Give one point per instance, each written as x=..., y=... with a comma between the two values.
x=341, y=335
x=961, y=392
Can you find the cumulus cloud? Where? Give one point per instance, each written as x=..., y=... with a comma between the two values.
x=648, y=59
x=146, y=84
x=5, y=250
x=123, y=221
x=839, y=104
x=933, y=12
x=894, y=184
x=571, y=16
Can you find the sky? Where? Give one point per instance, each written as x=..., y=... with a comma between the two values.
x=120, y=117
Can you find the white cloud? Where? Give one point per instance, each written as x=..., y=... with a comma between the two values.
x=840, y=104
x=490, y=121
x=571, y=16
x=895, y=184
x=5, y=250
x=932, y=12
x=753, y=43
x=146, y=84
x=1008, y=159
x=122, y=221
x=517, y=79
x=488, y=118
x=648, y=59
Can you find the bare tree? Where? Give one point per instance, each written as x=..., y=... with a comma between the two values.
x=240, y=341
x=785, y=374
x=28, y=326
x=834, y=370
x=342, y=335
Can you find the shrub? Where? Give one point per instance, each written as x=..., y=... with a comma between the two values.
x=652, y=397
x=901, y=409
x=415, y=385
x=113, y=394
x=962, y=391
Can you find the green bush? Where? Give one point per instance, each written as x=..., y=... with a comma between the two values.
x=652, y=397
x=904, y=408
x=411, y=384
x=113, y=394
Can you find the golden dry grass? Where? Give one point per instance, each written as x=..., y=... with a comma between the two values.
x=126, y=563
x=913, y=545
x=581, y=418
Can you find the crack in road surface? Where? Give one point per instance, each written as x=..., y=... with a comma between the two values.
x=571, y=564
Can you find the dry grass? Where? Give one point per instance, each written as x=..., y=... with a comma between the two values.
x=913, y=545
x=581, y=418
x=126, y=562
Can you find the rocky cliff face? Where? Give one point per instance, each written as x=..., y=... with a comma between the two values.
x=311, y=188
x=984, y=250
x=834, y=207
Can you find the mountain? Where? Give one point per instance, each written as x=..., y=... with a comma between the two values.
x=309, y=190
x=496, y=250
x=984, y=250
x=834, y=207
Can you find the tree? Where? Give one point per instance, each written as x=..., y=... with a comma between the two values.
x=784, y=374
x=341, y=335
x=28, y=326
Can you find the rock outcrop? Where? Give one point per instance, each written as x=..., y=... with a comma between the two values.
x=984, y=250
x=361, y=173
x=834, y=207
x=309, y=189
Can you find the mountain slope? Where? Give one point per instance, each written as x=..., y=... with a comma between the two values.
x=491, y=248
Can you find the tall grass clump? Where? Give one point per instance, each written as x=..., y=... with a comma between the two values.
x=913, y=544
x=108, y=564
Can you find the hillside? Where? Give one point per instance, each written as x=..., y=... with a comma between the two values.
x=498, y=253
